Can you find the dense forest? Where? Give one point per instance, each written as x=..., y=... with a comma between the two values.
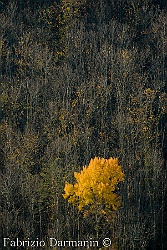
x=83, y=83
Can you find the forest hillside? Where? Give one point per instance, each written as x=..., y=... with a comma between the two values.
x=83, y=122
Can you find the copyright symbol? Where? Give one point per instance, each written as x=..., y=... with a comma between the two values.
x=107, y=242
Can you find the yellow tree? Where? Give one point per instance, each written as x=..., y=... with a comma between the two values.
x=95, y=186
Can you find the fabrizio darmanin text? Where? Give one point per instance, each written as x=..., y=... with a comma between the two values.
x=51, y=242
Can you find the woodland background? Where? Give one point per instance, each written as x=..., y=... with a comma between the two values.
x=81, y=79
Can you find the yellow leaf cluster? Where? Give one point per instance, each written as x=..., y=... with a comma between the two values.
x=96, y=185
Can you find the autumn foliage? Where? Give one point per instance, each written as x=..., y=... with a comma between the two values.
x=79, y=79
x=96, y=186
